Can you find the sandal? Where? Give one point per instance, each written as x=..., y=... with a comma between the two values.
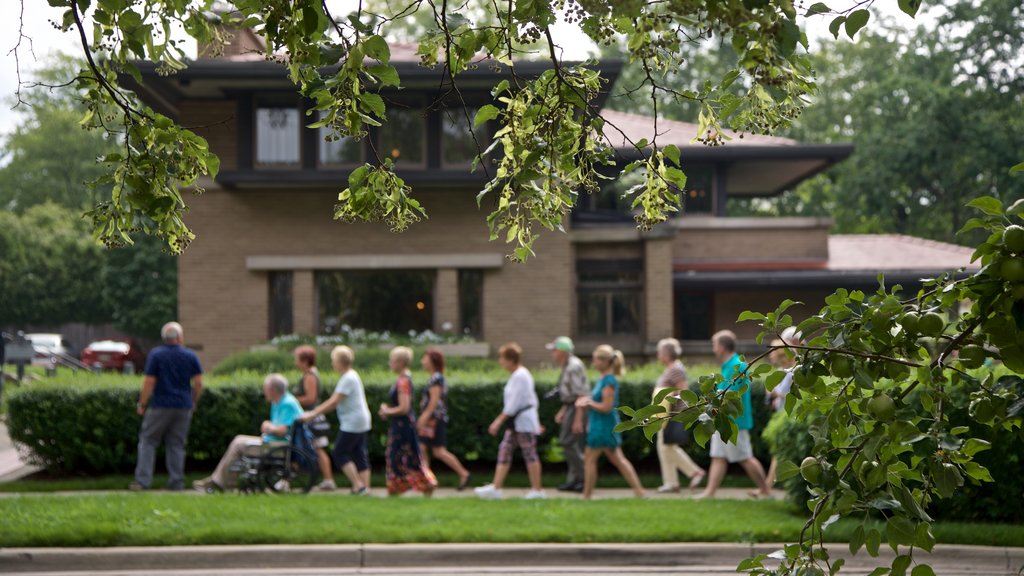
x=465, y=483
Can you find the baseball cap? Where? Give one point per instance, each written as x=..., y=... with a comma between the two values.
x=563, y=343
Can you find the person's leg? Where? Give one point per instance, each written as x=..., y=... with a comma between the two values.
x=175, y=440
x=590, y=456
x=222, y=476
x=626, y=469
x=769, y=478
x=715, y=475
x=754, y=469
x=500, y=473
x=151, y=433
x=505, y=449
x=325, y=464
x=669, y=475
x=572, y=449
x=450, y=460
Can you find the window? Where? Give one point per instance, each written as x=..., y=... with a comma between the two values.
x=403, y=137
x=471, y=291
x=609, y=297
x=375, y=300
x=693, y=311
x=339, y=151
x=698, y=198
x=280, y=321
x=277, y=136
x=457, y=136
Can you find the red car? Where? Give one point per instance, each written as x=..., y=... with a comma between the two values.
x=113, y=355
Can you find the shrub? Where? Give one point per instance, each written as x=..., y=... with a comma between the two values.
x=85, y=423
x=374, y=357
x=973, y=501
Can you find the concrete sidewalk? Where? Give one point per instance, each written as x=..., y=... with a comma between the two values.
x=11, y=466
x=968, y=560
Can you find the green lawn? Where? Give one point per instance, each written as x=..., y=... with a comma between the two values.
x=182, y=519
x=517, y=479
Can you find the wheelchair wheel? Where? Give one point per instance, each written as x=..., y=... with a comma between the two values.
x=289, y=469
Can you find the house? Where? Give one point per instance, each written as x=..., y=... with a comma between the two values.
x=270, y=259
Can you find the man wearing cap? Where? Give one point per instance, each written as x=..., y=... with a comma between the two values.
x=572, y=385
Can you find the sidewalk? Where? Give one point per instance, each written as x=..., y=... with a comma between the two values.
x=11, y=466
x=973, y=560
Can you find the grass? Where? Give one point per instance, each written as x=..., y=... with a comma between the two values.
x=181, y=519
x=517, y=479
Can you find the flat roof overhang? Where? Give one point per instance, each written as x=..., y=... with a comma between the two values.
x=761, y=170
x=830, y=279
x=208, y=79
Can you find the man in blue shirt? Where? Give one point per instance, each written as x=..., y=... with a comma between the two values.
x=284, y=409
x=738, y=450
x=170, y=391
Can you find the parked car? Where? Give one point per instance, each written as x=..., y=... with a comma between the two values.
x=113, y=355
x=47, y=347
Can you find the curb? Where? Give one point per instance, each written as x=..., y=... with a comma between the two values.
x=945, y=559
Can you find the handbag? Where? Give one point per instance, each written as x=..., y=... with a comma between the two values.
x=675, y=433
x=319, y=426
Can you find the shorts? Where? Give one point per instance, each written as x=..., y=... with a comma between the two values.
x=736, y=451
x=526, y=441
x=440, y=439
x=352, y=447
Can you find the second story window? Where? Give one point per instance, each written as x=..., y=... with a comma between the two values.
x=458, y=147
x=609, y=297
x=403, y=138
x=277, y=136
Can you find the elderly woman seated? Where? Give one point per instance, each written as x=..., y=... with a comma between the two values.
x=284, y=409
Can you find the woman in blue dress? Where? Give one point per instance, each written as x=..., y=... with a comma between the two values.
x=602, y=438
x=405, y=467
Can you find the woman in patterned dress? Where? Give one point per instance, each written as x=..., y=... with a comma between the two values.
x=603, y=416
x=405, y=467
x=432, y=426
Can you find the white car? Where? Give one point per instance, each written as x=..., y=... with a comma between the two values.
x=47, y=346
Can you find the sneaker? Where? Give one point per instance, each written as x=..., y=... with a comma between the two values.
x=536, y=495
x=282, y=486
x=666, y=489
x=136, y=487
x=326, y=486
x=206, y=485
x=364, y=491
x=488, y=492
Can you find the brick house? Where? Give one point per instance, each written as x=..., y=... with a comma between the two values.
x=269, y=258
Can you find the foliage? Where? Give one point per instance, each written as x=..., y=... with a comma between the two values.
x=878, y=380
x=549, y=131
x=50, y=269
x=86, y=423
x=934, y=127
x=140, y=286
x=155, y=519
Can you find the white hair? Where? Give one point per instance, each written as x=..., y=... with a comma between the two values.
x=276, y=382
x=671, y=347
x=171, y=332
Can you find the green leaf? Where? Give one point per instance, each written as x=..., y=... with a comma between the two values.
x=484, y=114
x=377, y=48
x=385, y=74
x=834, y=26
x=900, y=531
x=786, y=470
x=978, y=472
x=974, y=445
x=873, y=542
x=672, y=153
x=856, y=539
x=1017, y=168
x=855, y=21
x=748, y=315
x=988, y=205
x=922, y=570
x=818, y=8
x=910, y=7
x=900, y=565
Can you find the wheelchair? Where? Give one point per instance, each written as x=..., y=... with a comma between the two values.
x=279, y=467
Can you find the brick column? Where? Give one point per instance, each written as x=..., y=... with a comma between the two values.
x=446, y=299
x=658, y=293
x=303, y=302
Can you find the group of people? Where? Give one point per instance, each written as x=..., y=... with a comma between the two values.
x=418, y=431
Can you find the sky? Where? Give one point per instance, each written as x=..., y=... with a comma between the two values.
x=42, y=39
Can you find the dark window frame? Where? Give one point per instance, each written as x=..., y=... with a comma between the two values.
x=283, y=100
x=609, y=289
x=417, y=105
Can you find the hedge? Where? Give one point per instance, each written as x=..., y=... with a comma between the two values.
x=87, y=423
x=988, y=502
x=280, y=360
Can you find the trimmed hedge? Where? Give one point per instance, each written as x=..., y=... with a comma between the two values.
x=987, y=502
x=280, y=360
x=87, y=423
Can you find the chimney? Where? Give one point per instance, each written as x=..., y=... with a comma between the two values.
x=231, y=41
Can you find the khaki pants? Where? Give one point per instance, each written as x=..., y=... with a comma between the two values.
x=673, y=460
x=222, y=475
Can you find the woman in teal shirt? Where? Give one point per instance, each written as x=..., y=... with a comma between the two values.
x=604, y=416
